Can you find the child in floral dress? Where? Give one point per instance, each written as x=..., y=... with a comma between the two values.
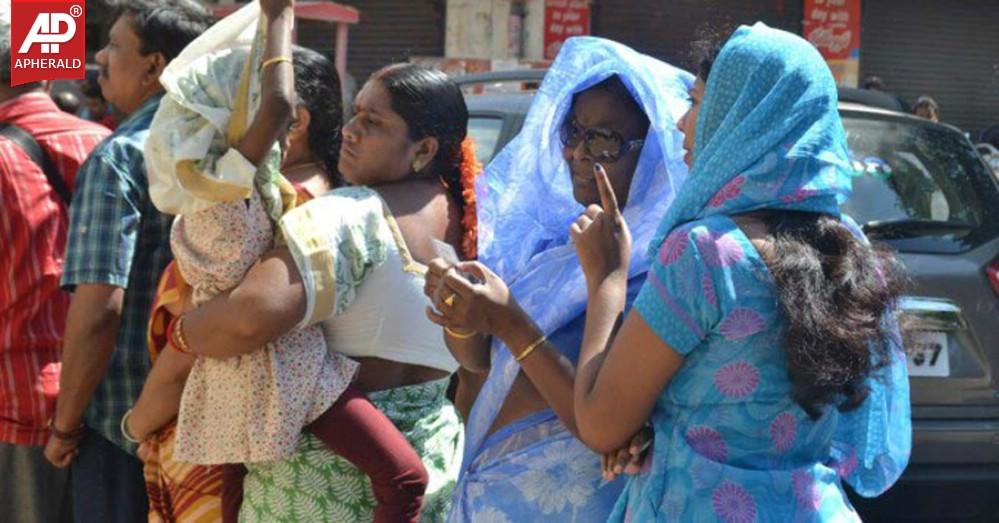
x=253, y=407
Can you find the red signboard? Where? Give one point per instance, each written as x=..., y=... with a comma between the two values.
x=833, y=26
x=564, y=19
x=47, y=40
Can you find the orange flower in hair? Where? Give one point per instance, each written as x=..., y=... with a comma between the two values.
x=470, y=168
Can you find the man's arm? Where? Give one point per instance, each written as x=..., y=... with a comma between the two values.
x=91, y=331
x=101, y=240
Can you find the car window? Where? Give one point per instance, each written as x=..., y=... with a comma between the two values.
x=913, y=171
x=485, y=131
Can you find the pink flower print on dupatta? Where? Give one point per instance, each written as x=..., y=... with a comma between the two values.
x=845, y=468
x=708, y=288
x=707, y=442
x=733, y=503
x=804, y=491
x=798, y=195
x=741, y=323
x=737, y=380
x=719, y=250
x=729, y=191
x=783, y=430
x=673, y=247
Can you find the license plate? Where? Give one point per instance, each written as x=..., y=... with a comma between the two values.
x=928, y=355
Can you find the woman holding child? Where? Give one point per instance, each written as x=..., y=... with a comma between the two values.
x=353, y=262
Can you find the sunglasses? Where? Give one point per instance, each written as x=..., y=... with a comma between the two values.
x=601, y=145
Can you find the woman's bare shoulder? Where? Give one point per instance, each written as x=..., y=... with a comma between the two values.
x=423, y=212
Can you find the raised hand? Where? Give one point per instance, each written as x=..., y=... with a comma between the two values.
x=601, y=236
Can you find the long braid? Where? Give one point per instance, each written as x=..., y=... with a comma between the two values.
x=317, y=85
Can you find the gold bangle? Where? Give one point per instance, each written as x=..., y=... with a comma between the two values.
x=530, y=348
x=460, y=335
x=275, y=60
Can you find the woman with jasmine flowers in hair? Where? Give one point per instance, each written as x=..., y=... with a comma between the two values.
x=762, y=347
x=520, y=325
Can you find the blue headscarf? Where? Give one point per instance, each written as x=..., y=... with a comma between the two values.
x=769, y=133
x=526, y=204
x=769, y=136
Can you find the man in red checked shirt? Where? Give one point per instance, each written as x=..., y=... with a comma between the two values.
x=33, y=221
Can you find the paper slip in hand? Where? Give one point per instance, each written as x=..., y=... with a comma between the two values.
x=445, y=251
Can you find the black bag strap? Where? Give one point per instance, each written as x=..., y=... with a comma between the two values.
x=31, y=147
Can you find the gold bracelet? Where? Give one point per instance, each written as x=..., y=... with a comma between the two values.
x=530, y=348
x=459, y=335
x=275, y=60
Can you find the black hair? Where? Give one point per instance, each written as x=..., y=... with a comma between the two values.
x=616, y=88
x=317, y=85
x=874, y=83
x=431, y=104
x=832, y=289
x=165, y=26
x=67, y=102
x=707, y=45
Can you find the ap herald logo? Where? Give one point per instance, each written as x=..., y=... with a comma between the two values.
x=47, y=40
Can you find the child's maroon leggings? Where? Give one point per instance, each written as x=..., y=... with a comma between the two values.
x=356, y=430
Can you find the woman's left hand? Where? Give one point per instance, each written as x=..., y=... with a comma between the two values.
x=601, y=236
x=486, y=306
x=629, y=459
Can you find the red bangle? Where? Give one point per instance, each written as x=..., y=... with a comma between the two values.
x=72, y=435
x=175, y=335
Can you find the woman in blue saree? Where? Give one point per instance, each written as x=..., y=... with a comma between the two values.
x=521, y=326
x=762, y=347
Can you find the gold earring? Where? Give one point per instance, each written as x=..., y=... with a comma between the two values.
x=416, y=166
